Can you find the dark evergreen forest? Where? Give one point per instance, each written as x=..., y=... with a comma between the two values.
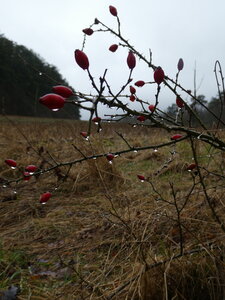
x=24, y=77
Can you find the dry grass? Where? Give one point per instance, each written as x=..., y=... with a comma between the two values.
x=95, y=236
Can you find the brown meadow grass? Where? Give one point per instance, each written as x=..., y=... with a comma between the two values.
x=102, y=227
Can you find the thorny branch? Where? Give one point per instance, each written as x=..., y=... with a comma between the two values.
x=103, y=94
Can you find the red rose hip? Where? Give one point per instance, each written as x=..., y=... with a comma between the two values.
x=113, y=10
x=31, y=169
x=84, y=135
x=88, y=31
x=12, y=163
x=96, y=120
x=139, y=83
x=180, y=64
x=113, y=48
x=62, y=90
x=131, y=60
x=151, y=108
x=45, y=197
x=191, y=166
x=132, y=90
x=159, y=75
x=52, y=101
x=141, y=118
x=179, y=102
x=176, y=137
x=110, y=157
x=26, y=176
x=141, y=177
x=132, y=98
x=81, y=59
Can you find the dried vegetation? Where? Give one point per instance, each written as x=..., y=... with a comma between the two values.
x=104, y=234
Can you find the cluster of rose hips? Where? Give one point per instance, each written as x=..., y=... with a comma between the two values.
x=27, y=173
x=57, y=99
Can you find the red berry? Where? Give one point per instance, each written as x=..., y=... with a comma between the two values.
x=159, y=75
x=176, y=137
x=52, y=101
x=179, y=102
x=180, y=64
x=151, y=108
x=81, y=59
x=45, y=197
x=10, y=162
x=141, y=177
x=110, y=156
x=131, y=60
x=191, y=167
x=84, y=134
x=96, y=120
x=62, y=90
x=139, y=83
x=26, y=176
x=132, y=90
x=31, y=168
x=141, y=118
x=88, y=31
x=132, y=98
x=113, y=10
x=113, y=48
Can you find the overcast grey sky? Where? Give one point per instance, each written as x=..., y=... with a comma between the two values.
x=191, y=29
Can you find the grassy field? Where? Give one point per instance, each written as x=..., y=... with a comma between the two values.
x=104, y=234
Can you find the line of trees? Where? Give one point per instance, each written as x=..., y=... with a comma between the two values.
x=203, y=108
x=24, y=77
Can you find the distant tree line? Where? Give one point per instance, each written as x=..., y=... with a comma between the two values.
x=203, y=108
x=24, y=77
